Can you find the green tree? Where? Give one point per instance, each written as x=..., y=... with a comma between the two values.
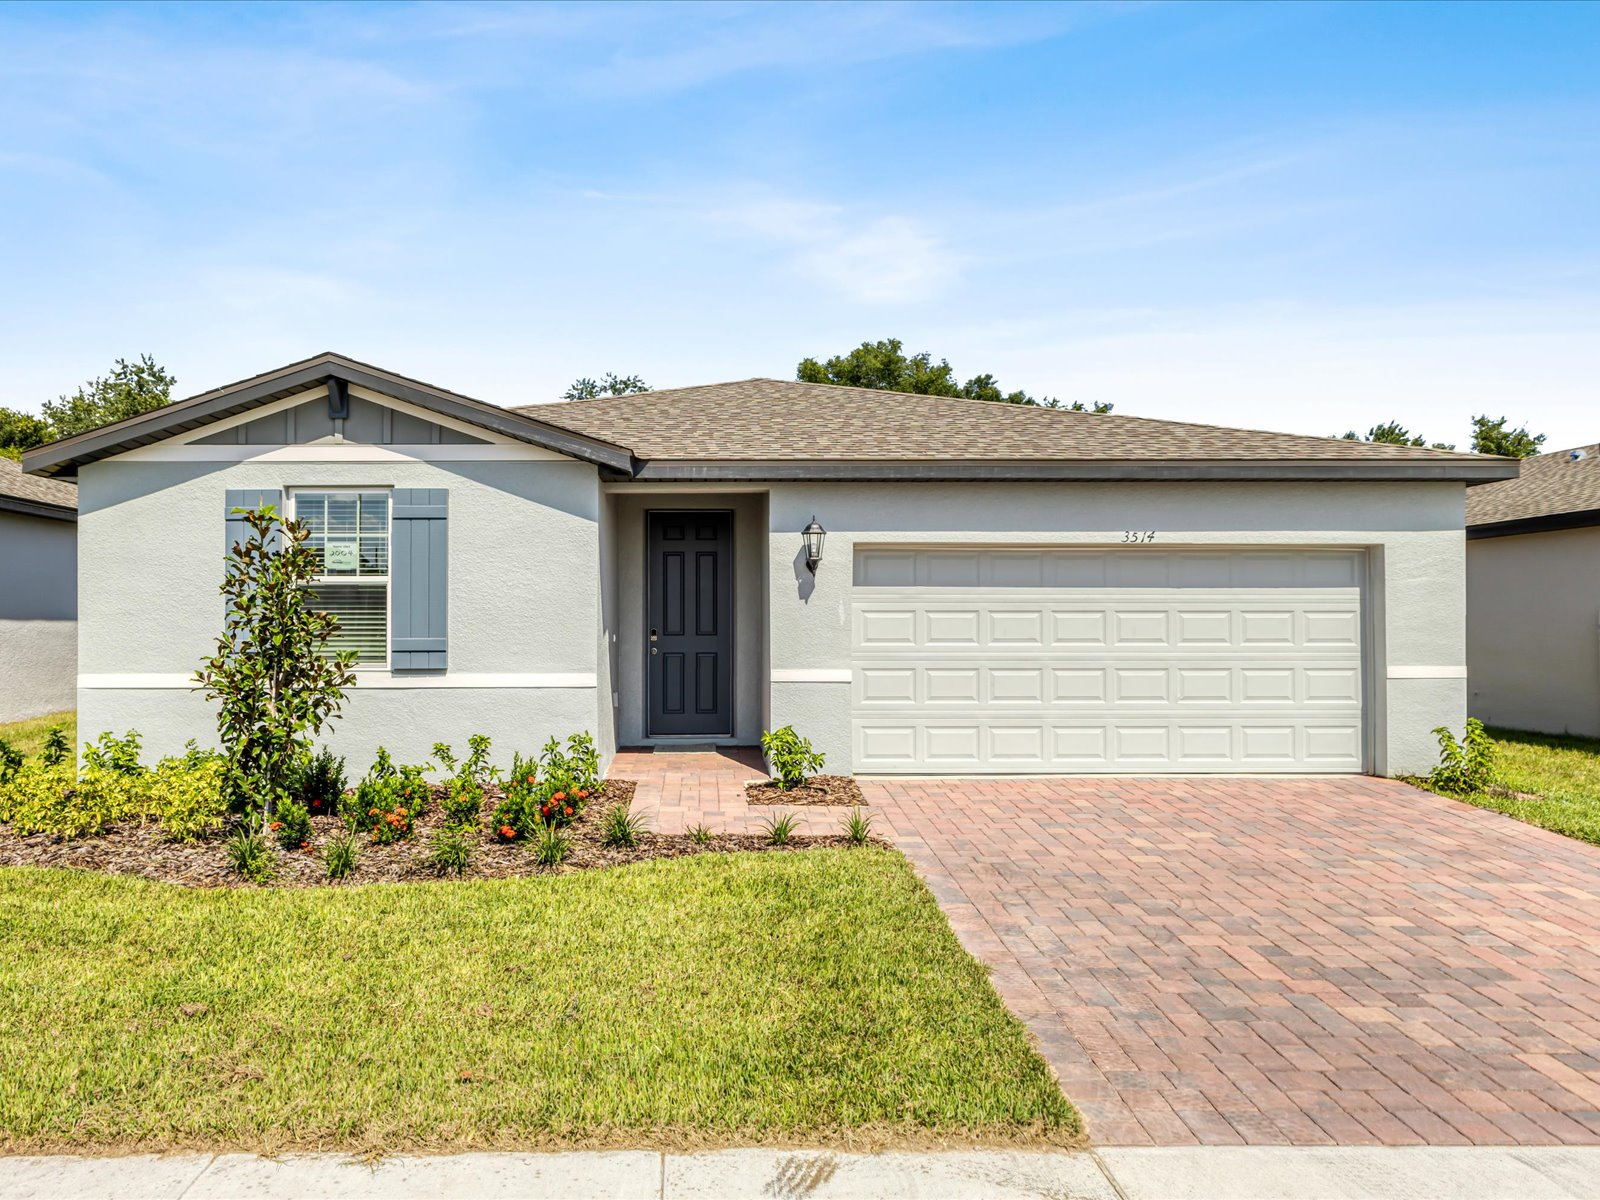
x=1394, y=434
x=129, y=390
x=274, y=675
x=20, y=431
x=886, y=367
x=1492, y=437
x=611, y=385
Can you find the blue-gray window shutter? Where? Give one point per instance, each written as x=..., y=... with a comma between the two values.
x=237, y=530
x=419, y=573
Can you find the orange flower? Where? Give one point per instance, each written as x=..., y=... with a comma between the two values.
x=559, y=796
x=583, y=793
x=569, y=810
x=507, y=832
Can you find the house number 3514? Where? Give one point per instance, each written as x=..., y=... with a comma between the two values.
x=1138, y=535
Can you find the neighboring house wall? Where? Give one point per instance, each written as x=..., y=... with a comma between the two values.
x=524, y=599
x=1412, y=532
x=1533, y=631
x=38, y=615
x=749, y=605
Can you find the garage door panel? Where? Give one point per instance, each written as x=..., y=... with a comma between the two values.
x=1189, y=660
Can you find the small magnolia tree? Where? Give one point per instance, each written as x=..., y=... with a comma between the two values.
x=277, y=682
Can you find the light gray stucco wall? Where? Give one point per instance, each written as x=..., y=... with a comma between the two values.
x=1533, y=631
x=524, y=598
x=1413, y=533
x=749, y=601
x=38, y=615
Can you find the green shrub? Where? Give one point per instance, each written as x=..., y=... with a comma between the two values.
x=857, y=827
x=449, y=851
x=57, y=749
x=1467, y=766
x=188, y=795
x=463, y=803
x=49, y=798
x=112, y=753
x=551, y=791
x=387, y=802
x=791, y=756
x=622, y=828
x=10, y=760
x=550, y=846
x=320, y=783
x=779, y=829
x=341, y=854
x=250, y=856
x=292, y=825
x=474, y=767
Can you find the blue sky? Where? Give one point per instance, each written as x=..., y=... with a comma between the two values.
x=1305, y=217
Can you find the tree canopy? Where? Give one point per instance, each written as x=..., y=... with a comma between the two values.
x=1492, y=437
x=1395, y=434
x=129, y=390
x=885, y=366
x=610, y=385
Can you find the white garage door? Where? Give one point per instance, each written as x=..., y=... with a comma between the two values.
x=1137, y=660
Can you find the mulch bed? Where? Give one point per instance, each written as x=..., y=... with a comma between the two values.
x=819, y=789
x=141, y=850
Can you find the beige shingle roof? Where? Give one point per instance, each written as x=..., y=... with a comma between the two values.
x=773, y=419
x=16, y=485
x=1550, y=484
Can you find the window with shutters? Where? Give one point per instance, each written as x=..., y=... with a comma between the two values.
x=349, y=534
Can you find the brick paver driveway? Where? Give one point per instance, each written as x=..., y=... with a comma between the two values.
x=1278, y=960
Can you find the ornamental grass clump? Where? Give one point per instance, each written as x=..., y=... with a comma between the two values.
x=780, y=829
x=857, y=827
x=341, y=854
x=622, y=829
x=450, y=851
x=551, y=847
x=250, y=856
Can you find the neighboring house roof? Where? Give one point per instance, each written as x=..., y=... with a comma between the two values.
x=772, y=428
x=1560, y=490
x=759, y=429
x=23, y=493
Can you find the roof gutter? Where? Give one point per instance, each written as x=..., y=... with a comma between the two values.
x=37, y=508
x=1545, y=523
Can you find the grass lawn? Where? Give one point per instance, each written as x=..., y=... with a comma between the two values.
x=28, y=735
x=807, y=998
x=1559, y=777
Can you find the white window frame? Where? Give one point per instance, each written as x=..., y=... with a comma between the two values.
x=387, y=490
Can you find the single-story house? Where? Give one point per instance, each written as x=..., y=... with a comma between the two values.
x=1533, y=596
x=920, y=585
x=38, y=593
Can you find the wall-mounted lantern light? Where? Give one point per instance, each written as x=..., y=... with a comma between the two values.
x=813, y=535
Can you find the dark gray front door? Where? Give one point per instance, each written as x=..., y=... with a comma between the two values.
x=689, y=622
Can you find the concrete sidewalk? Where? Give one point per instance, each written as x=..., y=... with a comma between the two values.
x=1128, y=1173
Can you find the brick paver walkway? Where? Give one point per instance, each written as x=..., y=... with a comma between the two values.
x=1302, y=961
x=1266, y=961
x=681, y=789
